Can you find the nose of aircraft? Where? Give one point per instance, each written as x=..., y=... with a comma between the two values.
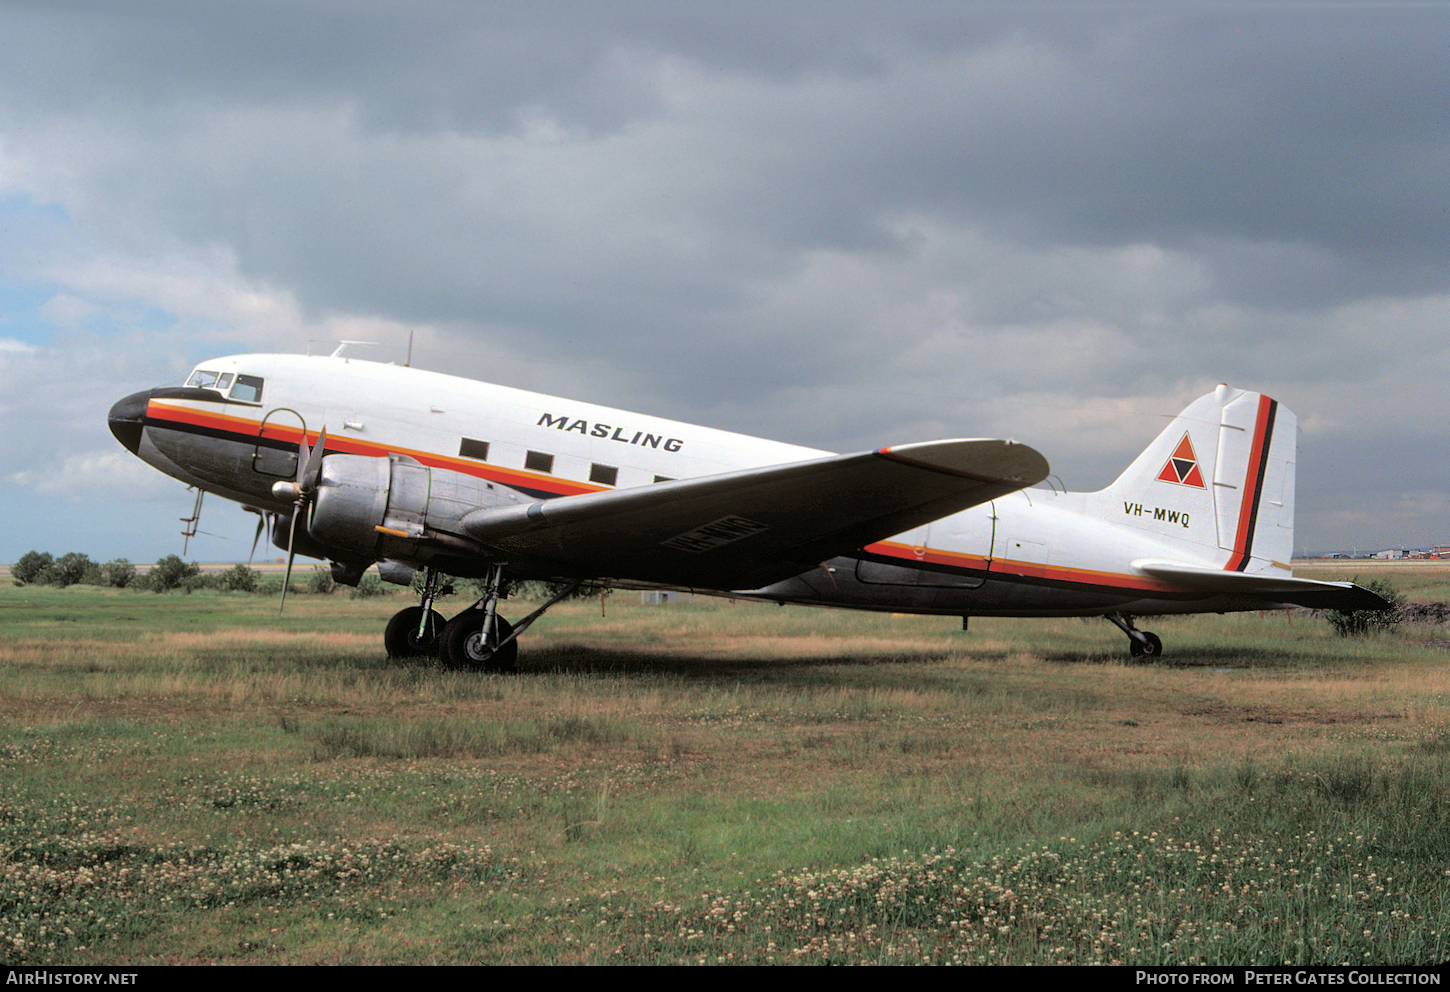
x=127, y=418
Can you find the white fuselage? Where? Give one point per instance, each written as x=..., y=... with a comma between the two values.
x=1032, y=553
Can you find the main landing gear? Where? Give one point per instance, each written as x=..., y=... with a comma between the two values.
x=471, y=642
x=478, y=639
x=1141, y=643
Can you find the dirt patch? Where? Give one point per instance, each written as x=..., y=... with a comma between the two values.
x=1225, y=713
x=1431, y=613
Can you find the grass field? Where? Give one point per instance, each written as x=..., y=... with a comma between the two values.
x=189, y=779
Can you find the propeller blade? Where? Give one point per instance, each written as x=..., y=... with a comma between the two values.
x=287, y=575
x=307, y=478
x=261, y=525
x=309, y=472
x=303, y=454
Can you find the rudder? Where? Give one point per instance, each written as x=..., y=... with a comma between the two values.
x=1254, y=483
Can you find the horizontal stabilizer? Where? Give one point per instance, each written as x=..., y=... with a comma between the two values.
x=1285, y=588
x=746, y=529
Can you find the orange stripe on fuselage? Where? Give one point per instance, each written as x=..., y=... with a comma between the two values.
x=912, y=555
x=250, y=430
x=161, y=410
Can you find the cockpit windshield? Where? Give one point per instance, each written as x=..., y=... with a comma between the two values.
x=246, y=388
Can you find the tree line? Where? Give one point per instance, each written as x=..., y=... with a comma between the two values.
x=171, y=572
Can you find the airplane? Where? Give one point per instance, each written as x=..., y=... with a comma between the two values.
x=362, y=464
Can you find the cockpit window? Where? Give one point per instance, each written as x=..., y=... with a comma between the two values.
x=248, y=389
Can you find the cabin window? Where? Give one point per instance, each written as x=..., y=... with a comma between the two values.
x=248, y=389
x=469, y=448
x=538, y=461
x=604, y=475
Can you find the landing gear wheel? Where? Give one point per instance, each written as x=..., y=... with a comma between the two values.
x=401, y=636
x=464, y=646
x=1152, y=649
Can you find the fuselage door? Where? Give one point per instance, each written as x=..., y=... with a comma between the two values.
x=958, y=550
x=277, y=440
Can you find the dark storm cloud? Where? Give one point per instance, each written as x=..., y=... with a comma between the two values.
x=841, y=223
x=380, y=140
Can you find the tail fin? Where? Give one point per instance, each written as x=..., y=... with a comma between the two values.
x=1219, y=479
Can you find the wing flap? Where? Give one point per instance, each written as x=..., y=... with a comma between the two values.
x=1309, y=593
x=745, y=529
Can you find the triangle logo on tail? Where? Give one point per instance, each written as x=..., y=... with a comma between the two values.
x=1181, y=468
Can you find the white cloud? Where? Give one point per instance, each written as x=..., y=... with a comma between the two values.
x=69, y=312
x=96, y=476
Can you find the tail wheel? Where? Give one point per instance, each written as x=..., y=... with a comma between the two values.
x=1149, y=647
x=401, y=637
x=465, y=645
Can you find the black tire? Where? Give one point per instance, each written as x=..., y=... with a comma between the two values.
x=464, y=647
x=1152, y=649
x=401, y=636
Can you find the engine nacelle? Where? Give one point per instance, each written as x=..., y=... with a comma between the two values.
x=395, y=507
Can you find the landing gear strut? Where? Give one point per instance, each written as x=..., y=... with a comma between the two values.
x=478, y=639
x=1141, y=643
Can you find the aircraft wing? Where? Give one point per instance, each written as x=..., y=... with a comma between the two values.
x=1309, y=593
x=746, y=529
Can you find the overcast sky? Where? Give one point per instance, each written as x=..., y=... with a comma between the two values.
x=838, y=224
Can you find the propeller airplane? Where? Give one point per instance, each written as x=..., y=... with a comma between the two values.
x=364, y=464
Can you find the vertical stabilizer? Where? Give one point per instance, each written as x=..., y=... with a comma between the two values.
x=1219, y=481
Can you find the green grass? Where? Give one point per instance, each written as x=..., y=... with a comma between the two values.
x=190, y=779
